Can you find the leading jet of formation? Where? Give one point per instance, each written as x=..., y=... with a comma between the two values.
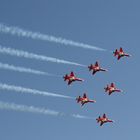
x=103, y=119
x=83, y=100
x=111, y=88
x=120, y=53
x=95, y=68
x=71, y=78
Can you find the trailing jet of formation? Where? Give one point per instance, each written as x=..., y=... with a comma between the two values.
x=119, y=54
x=83, y=100
x=109, y=89
x=103, y=119
x=96, y=68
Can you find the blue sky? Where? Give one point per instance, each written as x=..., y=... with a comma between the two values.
x=105, y=24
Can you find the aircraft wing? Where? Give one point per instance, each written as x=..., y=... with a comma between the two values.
x=109, y=93
x=101, y=123
x=82, y=103
x=119, y=57
x=93, y=72
x=69, y=82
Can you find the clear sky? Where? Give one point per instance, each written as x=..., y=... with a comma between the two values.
x=105, y=24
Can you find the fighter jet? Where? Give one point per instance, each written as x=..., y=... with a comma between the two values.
x=112, y=88
x=103, y=120
x=71, y=78
x=120, y=53
x=83, y=100
x=95, y=68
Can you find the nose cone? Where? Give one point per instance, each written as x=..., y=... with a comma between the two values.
x=79, y=79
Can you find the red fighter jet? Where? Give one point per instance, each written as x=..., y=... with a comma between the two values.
x=83, y=100
x=120, y=53
x=103, y=120
x=71, y=78
x=96, y=68
x=112, y=88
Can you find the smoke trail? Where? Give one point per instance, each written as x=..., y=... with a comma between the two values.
x=22, y=69
x=20, y=53
x=37, y=110
x=77, y=116
x=31, y=91
x=24, y=108
x=35, y=35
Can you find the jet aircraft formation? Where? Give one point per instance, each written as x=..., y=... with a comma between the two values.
x=109, y=89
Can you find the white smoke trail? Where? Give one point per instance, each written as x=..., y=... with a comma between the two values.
x=23, y=69
x=31, y=91
x=35, y=35
x=20, y=53
x=37, y=110
x=24, y=108
x=77, y=116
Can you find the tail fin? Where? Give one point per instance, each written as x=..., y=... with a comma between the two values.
x=116, y=52
x=98, y=119
x=65, y=77
x=106, y=88
x=78, y=99
x=90, y=67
